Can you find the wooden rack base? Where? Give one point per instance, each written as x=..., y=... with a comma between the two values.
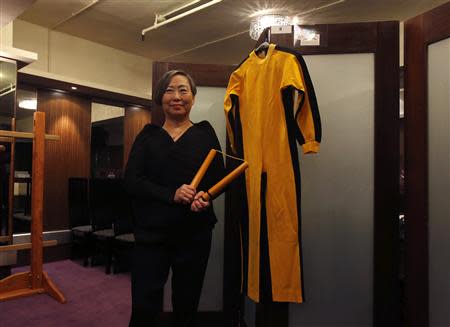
x=20, y=285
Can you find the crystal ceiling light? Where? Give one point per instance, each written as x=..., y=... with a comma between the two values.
x=258, y=25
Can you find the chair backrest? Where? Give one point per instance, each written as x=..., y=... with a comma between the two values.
x=124, y=220
x=105, y=200
x=78, y=196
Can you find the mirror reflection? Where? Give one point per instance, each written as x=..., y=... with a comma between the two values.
x=7, y=103
x=106, y=140
x=7, y=92
x=26, y=106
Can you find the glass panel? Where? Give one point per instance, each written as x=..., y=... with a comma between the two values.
x=7, y=104
x=439, y=181
x=106, y=141
x=337, y=196
x=7, y=92
x=23, y=152
x=209, y=106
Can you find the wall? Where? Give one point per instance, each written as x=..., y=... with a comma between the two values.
x=70, y=118
x=338, y=197
x=439, y=181
x=75, y=60
x=135, y=119
x=6, y=36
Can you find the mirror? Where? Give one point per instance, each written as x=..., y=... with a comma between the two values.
x=23, y=152
x=106, y=141
x=7, y=103
x=7, y=92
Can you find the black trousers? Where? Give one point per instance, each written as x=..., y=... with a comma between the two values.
x=186, y=252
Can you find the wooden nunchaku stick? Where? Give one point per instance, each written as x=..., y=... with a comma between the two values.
x=203, y=168
x=219, y=186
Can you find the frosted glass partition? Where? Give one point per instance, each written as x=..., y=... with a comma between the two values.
x=337, y=197
x=209, y=106
x=439, y=182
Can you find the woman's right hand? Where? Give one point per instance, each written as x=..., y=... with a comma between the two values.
x=184, y=194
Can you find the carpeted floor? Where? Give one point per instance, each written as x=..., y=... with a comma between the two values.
x=94, y=299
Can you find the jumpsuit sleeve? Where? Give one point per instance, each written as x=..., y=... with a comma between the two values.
x=230, y=103
x=306, y=111
x=136, y=182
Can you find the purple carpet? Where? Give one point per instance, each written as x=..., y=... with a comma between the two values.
x=94, y=299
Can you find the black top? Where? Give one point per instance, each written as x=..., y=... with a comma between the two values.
x=157, y=166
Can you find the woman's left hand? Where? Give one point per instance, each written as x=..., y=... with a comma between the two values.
x=199, y=204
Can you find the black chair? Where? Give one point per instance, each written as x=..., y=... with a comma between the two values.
x=105, y=206
x=123, y=242
x=123, y=246
x=79, y=218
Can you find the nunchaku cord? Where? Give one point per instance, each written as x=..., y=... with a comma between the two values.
x=230, y=156
x=224, y=181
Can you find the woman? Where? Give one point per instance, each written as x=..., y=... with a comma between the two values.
x=173, y=225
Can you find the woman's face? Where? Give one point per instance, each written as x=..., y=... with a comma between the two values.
x=178, y=99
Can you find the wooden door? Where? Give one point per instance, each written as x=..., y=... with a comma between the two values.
x=427, y=61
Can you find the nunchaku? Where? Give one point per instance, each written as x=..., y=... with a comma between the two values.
x=220, y=185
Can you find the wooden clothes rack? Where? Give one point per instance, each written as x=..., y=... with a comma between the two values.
x=36, y=281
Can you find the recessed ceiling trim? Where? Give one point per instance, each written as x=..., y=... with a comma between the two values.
x=76, y=13
x=320, y=8
x=191, y=3
x=204, y=45
x=191, y=11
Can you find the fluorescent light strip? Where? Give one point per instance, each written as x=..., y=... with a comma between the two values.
x=193, y=10
x=179, y=8
x=72, y=15
x=6, y=91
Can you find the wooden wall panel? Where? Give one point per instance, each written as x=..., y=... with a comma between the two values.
x=387, y=300
x=70, y=118
x=416, y=168
x=420, y=31
x=135, y=119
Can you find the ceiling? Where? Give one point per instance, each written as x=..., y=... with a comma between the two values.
x=217, y=34
x=11, y=9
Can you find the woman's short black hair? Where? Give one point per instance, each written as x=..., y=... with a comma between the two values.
x=162, y=84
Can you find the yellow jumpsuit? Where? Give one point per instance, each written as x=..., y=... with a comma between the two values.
x=262, y=91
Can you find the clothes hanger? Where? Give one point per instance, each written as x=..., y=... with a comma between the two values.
x=265, y=44
x=262, y=47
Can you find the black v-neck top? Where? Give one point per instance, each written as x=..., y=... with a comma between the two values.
x=157, y=166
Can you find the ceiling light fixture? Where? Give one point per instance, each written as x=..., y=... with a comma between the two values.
x=73, y=87
x=160, y=20
x=30, y=104
x=258, y=25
